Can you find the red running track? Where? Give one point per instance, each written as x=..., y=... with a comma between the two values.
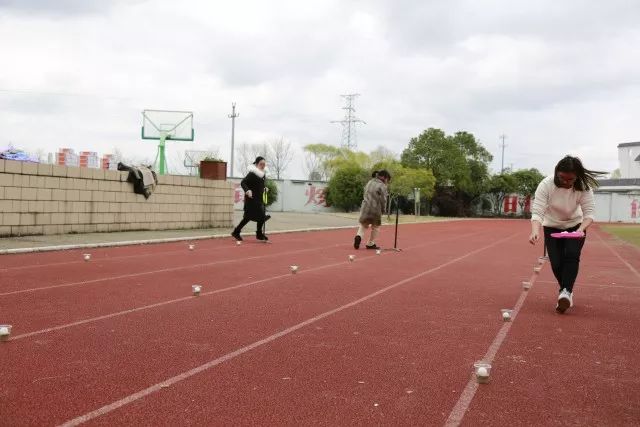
x=388, y=339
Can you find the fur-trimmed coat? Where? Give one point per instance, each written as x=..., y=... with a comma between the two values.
x=374, y=203
x=254, y=208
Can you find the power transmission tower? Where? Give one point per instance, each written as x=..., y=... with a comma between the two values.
x=232, y=116
x=349, y=122
x=503, y=145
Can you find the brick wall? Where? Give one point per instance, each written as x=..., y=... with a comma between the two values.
x=52, y=199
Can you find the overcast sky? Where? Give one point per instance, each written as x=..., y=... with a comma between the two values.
x=556, y=77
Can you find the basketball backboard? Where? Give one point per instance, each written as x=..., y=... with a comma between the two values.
x=172, y=125
x=163, y=125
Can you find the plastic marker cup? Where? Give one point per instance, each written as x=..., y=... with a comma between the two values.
x=378, y=251
x=482, y=370
x=526, y=285
x=238, y=243
x=294, y=269
x=5, y=332
x=352, y=258
x=192, y=247
x=196, y=289
x=540, y=260
x=87, y=257
x=506, y=314
x=536, y=269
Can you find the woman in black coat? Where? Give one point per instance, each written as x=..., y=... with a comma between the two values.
x=254, y=200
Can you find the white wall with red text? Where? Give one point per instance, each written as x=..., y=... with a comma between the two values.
x=293, y=196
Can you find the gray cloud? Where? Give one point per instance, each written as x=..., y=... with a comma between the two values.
x=59, y=8
x=555, y=76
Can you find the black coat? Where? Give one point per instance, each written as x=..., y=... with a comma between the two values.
x=254, y=208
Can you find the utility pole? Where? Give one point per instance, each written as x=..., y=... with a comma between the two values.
x=232, y=116
x=349, y=122
x=503, y=145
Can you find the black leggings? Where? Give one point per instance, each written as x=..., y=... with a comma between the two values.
x=564, y=255
x=245, y=221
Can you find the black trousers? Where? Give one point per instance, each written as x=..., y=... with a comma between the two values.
x=564, y=255
x=245, y=221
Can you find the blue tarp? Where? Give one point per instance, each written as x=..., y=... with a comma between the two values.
x=15, y=154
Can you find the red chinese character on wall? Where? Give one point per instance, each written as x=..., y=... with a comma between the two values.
x=316, y=196
x=511, y=204
x=635, y=206
x=238, y=193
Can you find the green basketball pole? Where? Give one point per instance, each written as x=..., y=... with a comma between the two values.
x=163, y=125
x=161, y=161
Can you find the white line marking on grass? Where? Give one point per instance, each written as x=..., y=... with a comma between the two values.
x=613, y=251
x=190, y=373
x=190, y=297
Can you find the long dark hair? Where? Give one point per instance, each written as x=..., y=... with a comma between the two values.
x=381, y=174
x=585, y=179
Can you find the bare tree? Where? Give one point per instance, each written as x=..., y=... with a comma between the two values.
x=382, y=155
x=247, y=153
x=280, y=156
x=313, y=167
x=40, y=154
x=119, y=156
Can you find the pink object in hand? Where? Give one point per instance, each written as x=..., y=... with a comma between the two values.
x=568, y=235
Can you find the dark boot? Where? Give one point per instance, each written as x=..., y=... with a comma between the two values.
x=356, y=242
x=238, y=229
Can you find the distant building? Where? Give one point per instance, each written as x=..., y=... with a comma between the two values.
x=618, y=200
x=629, y=159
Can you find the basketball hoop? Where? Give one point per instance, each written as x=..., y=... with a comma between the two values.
x=163, y=125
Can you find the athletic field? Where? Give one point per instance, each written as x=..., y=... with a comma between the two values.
x=387, y=339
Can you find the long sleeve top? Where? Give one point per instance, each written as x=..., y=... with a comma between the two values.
x=561, y=208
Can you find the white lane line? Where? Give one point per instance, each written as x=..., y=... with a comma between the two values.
x=164, y=270
x=155, y=241
x=464, y=401
x=114, y=258
x=593, y=285
x=214, y=292
x=613, y=251
x=187, y=374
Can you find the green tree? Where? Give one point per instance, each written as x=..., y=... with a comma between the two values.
x=477, y=164
x=434, y=151
x=383, y=155
x=345, y=188
x=459, y=162
x=526, y=182
x=500, y=186
x=272, y=194
x=317, y=158
x=345, y=158
x=406, y=179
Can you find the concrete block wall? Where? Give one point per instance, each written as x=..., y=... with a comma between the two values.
x=50, y=199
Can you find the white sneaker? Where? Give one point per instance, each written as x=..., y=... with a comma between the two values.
x=571, y=299
x=564, y=301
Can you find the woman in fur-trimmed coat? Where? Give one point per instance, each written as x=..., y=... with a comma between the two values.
x=254, y=201
x=373, y=206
